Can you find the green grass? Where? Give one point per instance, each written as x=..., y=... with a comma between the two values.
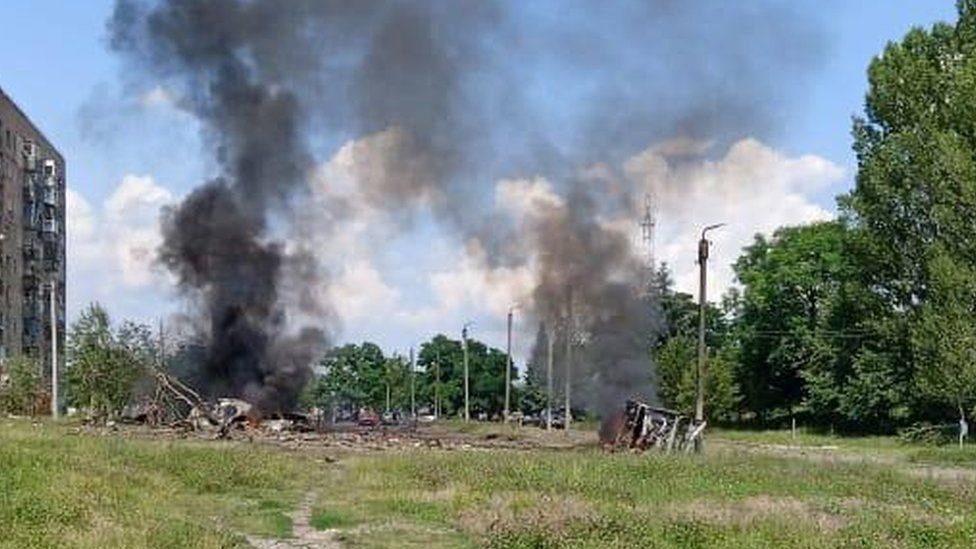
x=806, y=438
x=325, y=519
x=64, y=490
x=888, y=449
x=590, y=499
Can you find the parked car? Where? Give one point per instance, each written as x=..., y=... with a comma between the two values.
x=391, y=418
x=367, y=418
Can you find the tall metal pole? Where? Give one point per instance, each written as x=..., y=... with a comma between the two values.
x=413, y=386
x=437, y=385
x=54, y=351
x=568, y=414
x=467, y=395
x=508, y=366
x=549, y=342
x=160, y=353
x=700, y=373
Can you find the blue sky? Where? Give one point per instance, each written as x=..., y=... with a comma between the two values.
x=126, y=157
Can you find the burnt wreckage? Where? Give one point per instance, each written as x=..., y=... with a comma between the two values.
x=641, y=427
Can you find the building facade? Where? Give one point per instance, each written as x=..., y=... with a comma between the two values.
x=32, y=240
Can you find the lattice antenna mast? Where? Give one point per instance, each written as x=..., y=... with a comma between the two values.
x=647, y=227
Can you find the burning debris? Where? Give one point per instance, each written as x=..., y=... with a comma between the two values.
x=641, y=427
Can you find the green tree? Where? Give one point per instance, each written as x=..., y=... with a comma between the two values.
x=676, y=350
x=802, y=320
x=945, y=336
x=21, y=385
x=486, y=374
x=102, y=366
x=676, y=361
x=353, y=376
x=914, y=204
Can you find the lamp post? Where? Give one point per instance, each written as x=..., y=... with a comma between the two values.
x=568, y=413
x=413, y=385
x=700, y=374
x=550, y=341
x=467, y=394
x=508, y=364
x=54, y=351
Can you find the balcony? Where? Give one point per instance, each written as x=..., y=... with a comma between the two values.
x=30, y=219
x=31, y=280
x=49, y=226
x=32, y=331
x=50, y=196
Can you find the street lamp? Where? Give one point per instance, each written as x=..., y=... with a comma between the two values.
x=508, y=362
x=464, y=348
x=700, y=374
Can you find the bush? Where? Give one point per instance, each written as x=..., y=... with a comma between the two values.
x=930, y=434
x=21, y=386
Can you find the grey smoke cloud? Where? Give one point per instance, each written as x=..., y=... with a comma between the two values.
x=470, y=91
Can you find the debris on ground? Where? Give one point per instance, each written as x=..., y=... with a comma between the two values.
x=640, y=427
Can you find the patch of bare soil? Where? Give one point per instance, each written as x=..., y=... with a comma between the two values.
x=757, y=508
x=304, y=535
x=352, y=439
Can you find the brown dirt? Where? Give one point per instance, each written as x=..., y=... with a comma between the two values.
x=763, y=507
x=379, y=439
x=304, y=535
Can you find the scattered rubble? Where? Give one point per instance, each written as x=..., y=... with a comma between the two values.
x=174, y=410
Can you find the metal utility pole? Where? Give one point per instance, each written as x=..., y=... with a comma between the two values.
x=700, y=373
x=413, y=386
x=567, y=414
x=508, y=364
x=160, y=353
x=549, y=342
x=437, y=385
x=54, y=351
x=467, y=395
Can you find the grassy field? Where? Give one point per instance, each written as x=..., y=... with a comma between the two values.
x=63, y=490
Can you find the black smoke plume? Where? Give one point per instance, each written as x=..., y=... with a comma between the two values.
x=466, y=92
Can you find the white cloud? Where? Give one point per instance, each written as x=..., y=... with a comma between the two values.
x=753, y=188
x=359, y=293
x=525, y=197
x=111, y=248
x=157, y=97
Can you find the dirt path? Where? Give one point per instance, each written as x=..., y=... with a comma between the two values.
x=304, y=535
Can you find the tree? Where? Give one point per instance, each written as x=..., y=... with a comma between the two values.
x=21, y=385
x=486, y=371
x=946, y=336
x=354, y=376
x=102, y=366
x=676, y=350
x=914, y=203
x=675, y=362
x=803, y=318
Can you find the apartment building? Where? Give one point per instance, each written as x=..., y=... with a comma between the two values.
x=32, y=240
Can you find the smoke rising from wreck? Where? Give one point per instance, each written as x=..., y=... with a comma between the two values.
x=457, y=89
